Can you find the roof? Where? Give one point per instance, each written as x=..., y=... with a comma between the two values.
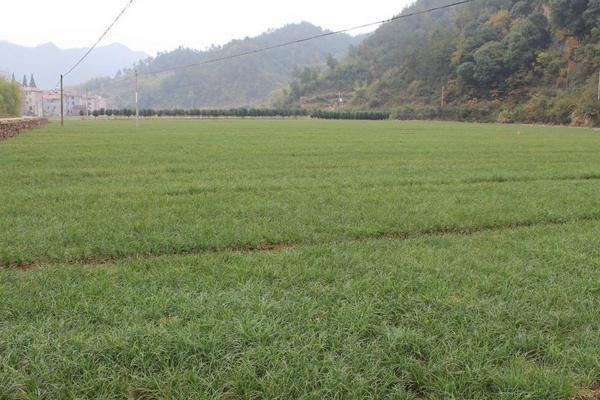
x=31, y=89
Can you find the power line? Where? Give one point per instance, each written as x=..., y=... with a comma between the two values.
x=310, y=38
x=100, y=38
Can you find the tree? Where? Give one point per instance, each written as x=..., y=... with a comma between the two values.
x=578, y=17
x=332, y=62
x=308, y=75
x=591, y=16
x=10, y=98
x=466, y=74
x=521, y=9
x=587, y=106
x=489, y=64
x=524, y=40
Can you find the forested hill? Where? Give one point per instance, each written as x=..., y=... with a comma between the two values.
x=508, y=60
x=250, y=80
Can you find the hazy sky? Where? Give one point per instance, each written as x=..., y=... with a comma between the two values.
x=154, y=25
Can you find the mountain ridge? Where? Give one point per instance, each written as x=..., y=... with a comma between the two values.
x=47, y=61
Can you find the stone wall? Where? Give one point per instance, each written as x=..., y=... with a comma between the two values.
x=13, y=126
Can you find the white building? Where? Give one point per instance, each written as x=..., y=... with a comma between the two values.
x=32, y=102
x=95, y=103
x=51, y=104
x=41, y=103
x=75, y=104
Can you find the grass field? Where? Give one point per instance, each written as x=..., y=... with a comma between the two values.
x=300, y=259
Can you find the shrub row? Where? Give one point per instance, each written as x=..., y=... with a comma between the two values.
x=245, y=112
x=467, y=113
x=233, y=112
x=362, y=115
x=539, y=109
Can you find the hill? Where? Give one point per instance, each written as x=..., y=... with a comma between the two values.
x=245, y=81
x=507, y=60
x=47, y=62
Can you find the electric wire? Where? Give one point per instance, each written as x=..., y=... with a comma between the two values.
x=89, y=51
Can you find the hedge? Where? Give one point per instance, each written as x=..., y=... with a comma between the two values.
x=245, y=112
x=356, y=115
x=233, y=112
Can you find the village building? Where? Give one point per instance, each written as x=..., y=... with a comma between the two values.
x=51, y=104
x=32, y=99
x=95, y=102
x=32, y=102
x=46, y=103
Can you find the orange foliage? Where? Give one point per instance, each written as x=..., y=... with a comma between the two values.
x=501, y=20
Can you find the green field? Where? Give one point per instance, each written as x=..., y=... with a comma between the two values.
x=300, y=259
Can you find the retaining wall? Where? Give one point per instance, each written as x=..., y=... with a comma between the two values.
x=10, y=127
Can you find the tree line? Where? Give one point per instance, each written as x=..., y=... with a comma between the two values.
x=243, y=113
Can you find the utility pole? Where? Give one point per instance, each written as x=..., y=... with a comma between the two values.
x=443, y=96
x=137, y=108
x=599, y=86
x=62, y=108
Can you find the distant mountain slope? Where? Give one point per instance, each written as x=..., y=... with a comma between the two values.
x=513, y=60
x=46, y=62
x=239, y=82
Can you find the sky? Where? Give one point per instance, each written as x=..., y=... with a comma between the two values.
x=159, y=25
